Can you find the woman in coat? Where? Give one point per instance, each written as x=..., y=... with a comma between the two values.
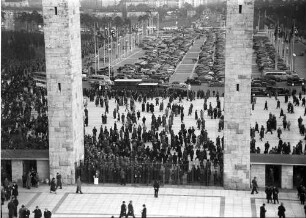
x=53, y=186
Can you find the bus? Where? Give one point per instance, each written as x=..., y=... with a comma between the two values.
x=99, y=79
x=40, y=79
x=126, y=83
x=277, y=75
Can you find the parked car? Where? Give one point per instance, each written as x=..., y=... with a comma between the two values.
x=258, y=92
x=193, y=81
x=216, y=84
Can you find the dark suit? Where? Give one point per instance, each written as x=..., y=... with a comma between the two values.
x=263, y=212
x=281, y=211
x=156, y=189
x=144, y=213
x=123, y=210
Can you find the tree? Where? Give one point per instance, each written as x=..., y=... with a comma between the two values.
x=118, y=21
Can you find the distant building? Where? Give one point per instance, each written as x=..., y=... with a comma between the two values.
x=107, y=14
x=8, y=23
x=191, y=13
x=15, y=3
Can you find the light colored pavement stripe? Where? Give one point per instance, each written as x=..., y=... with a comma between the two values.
x=222, y=206
x=253, y=207
x=60, y=202
x=33, y=199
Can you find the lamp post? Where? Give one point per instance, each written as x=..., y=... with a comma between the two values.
x=126, y=48
x=293, y=62
x=109, y=62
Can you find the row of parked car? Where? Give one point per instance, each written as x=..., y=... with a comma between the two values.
x=211, y=61
x=265, y=55
x=162, y=55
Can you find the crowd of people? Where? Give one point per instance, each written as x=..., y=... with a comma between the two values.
x=292, y=101
x=24, y=108
x=137, y=153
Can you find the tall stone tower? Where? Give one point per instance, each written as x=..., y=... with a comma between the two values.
x=64, y=86
x=237, y=107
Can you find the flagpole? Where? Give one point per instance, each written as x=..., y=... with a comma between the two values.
x=95, y=49
x=293, y=39
x=104, y=52
x=276, y=46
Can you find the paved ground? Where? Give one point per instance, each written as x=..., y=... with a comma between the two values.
x=105, y=201
x=186, y=67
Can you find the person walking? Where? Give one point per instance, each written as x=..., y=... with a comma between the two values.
x=144, y=211
x=275, y=195
x=53, y=186
x=130, y=210
x=254, y=186
x=15, y=189
x=47, y=213
x=263, y=211
x=21, y=211
x=123, y=210
x=58, y=180
x=156, y=188
x=37, y=213
x=11, y=208
x=26, y=213
x=281, y=211
x=79, y=185
x=302, y=197
x=16, y=202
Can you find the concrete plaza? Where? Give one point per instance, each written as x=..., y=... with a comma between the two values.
x=173, y=201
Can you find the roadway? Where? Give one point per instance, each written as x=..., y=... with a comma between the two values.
x=186, y=67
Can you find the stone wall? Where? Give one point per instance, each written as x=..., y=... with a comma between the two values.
x=17, y=170
x=64, y=86
x=258, y=171
x=43, y=169
x=287, y=177
x=237, y=110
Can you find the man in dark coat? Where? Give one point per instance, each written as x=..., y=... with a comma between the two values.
x=11, y=208
x=254, y=186
x=53, y=186
x=79, y=186
x=275, y=194
x=58, y=180
x=26, y=213
x=16, y=202
x=263, y=211
x=281, y=211
x=269, y=192
x=144, y=212
x=47, y=213
x=15, y=189
x=21, y=211
x=37, y=213
x=156, y=188
x=123, y=210
x=130, y=210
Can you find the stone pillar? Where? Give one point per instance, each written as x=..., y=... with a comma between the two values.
x=237, y=108
x=259, y=171
x=17, y=170
x=64, y=86
x=287, y=177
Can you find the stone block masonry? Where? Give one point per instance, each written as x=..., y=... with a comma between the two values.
x=64, y=86
x=237, y=110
